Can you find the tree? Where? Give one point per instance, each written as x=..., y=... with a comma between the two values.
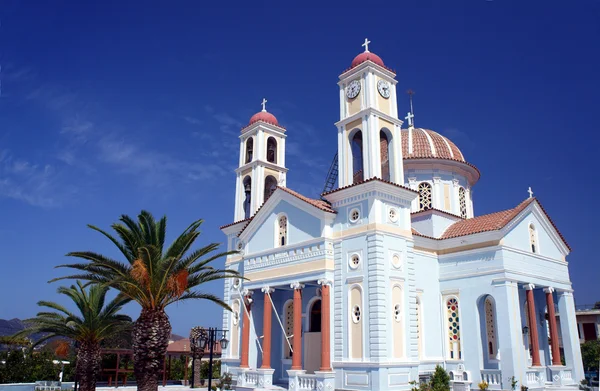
x=440, y=380
x=95, y=323
x=154, y=277
x=590, y=354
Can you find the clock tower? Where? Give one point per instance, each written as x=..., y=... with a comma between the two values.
x=262, y=163
x=369, y=142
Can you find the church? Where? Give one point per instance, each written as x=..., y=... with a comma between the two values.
x=389, y=273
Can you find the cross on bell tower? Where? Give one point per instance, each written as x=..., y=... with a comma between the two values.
x=366, y=45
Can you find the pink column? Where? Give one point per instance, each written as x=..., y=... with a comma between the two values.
x=533, y=331
x=325, y=326
x=297, y=343
x=266, y=361
x=553, y=330
x=245, y=334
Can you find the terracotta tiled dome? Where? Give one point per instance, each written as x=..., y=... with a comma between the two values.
x=367, y=56
x=427, y=144
x=265, y=117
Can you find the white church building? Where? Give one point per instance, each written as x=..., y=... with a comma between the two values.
x=390, y=273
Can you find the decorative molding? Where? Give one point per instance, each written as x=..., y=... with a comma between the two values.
x=549, y=289
x=267, y=289
x=324, y=281
x=296, y=285
x=529, y=287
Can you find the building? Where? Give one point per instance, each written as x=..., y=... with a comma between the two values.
x=390, y=273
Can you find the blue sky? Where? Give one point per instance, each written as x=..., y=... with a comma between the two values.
x=111, y=107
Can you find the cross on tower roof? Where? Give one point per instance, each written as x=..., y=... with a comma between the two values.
x=409, y=117
x=530, y=192
x=264, y=104
x=366, y=45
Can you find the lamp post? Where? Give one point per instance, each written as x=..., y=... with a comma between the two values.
x=211, y=340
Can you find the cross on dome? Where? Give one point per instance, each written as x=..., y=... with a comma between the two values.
x=530, y=192
x=409, y=117
x=264, y=105
x=366, y=45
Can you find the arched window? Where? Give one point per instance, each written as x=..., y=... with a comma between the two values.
x=282, y=225
x=289, y=328
x=533, y=239
x=249, y=149
x=357, y=157
x=270, y=186
x=397, y=322
x=425, y=202
x=315, y=317
x=384, y=148
x=272, y=150
x=453, y=328
x=355, y=324
x=490, y=328
x=248, y=196
x=462, y=200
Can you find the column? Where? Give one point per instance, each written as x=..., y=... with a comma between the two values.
x=267, y=313
x=297, y=342
x=553, y=330
x=533, y=330
x=245, y=332
x=325, y=325
x=568, y=328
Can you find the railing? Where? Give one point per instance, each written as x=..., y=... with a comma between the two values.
x=307, y=382
x=317, y=249
x=587, y=307
x=493, y=377
x=249, y=378
x=567, y=375
x=535, y=378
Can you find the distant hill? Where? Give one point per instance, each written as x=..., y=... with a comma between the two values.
x=9, y=327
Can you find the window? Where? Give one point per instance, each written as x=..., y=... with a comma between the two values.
x=384, y=148
x=533, y=239
x=453, y=328
x=289, y=328
x=248, y=196
x=270, y=186
x=397, y=313
x=462, y=199
x=249, y=149
x=272, y=150
x=283, y=227
x=315, y=317
x=236, y=282
x=356, y=314
x=396, y=261
x=424, y=196
x=490, y=327
x=354, y=261
x=354, y=215
x=357, y=157
x=393, y=215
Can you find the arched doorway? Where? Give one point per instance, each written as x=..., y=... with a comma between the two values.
x=312, y=338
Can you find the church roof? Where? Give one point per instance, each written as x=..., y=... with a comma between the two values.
x=369, y=180
x=490, y=222
x=264, y=116
x=425, y=143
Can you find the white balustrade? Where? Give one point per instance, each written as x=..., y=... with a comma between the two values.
x=307, y=382
x=493, y=377
x=250, y=378
x=535, y=378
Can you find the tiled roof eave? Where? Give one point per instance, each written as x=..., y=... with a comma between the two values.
x=366, y=181
x=443, y=158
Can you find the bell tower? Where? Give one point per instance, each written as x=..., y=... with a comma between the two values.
x=262, y=163
x=369, y=134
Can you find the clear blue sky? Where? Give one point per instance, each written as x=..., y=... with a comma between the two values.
x=111, y=107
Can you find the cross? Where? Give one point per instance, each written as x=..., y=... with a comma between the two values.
x=366, y=45
x=264, y=104
x=409, y=117
x=530, y=192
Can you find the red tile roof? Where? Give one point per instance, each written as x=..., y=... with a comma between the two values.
x=234, y=223
x=490, y=222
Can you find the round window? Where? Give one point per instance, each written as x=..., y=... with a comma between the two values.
x=356, y=314
x=397, y=313
x=393, y=215
x=240, y=246
x=354, y=215
x=396, y=261
x=236, y=282
x=354, y=261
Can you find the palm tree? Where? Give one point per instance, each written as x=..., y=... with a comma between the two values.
x=95, y=323
x=154, y=277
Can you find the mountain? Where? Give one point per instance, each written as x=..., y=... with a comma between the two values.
x=9, y=327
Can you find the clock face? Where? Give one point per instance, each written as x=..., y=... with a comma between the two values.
x=353, y=89
x=384, y=88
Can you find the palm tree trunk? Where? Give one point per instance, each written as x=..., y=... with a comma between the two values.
x=151, y=332
x=88, y=365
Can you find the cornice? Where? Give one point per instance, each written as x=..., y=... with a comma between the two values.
x=369, y=111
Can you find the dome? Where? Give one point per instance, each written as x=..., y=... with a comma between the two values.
x=367, y=56
x=265, y=117
x=427, y=144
